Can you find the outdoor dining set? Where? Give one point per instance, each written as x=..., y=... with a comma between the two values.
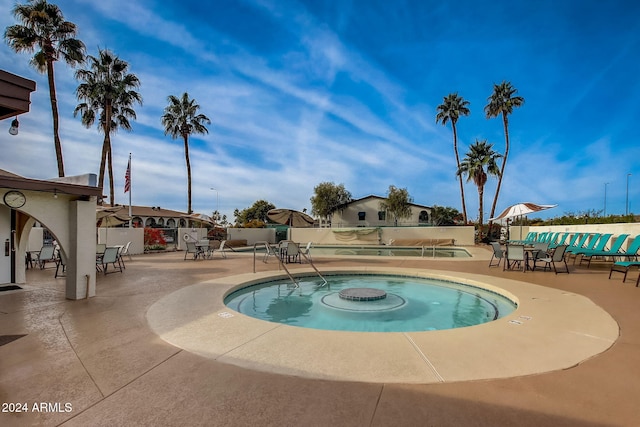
x=549, y=250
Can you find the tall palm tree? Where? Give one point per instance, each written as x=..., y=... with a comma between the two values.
x=181, y=118
x=479, y=157
x=45, y=32
x=452, y=107
x=502, y=102
x=108, y=92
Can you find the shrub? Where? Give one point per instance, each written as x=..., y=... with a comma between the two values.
x=154, y=239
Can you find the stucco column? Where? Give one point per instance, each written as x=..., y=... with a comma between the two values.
x=81, y=268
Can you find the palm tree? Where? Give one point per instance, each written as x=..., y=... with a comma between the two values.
x=502, y=101
x=479, y=157
x=452, y=107
x=45, y=32
x=181, y=118
x=108, y=93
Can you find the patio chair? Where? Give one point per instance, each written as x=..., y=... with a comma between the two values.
x=61, y=262
x=557, y=256
x=515, y=254
x=192, y=249
x=293, y=252
x=615, y=249
x=221, y=249
x=125, y=252
x=47, y=253
x=498, y=253
x=306, y=251
x=110, y=256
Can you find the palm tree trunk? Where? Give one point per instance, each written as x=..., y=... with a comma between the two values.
x=455, y=148
x=112, y=193
x=186, y=155
x=504, y=163
x=481, y=207
x=54, y=111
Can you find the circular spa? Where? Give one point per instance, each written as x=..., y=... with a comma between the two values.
x=549, y=330
x=371, y=303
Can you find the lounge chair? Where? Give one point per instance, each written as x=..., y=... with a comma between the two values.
x=615, y=248
x=623, y=267
x=529, y=238
x=515, y=255
x=560, y=241
x=583, y=244
x=557, y=256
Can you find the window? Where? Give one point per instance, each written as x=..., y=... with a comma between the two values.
x=361, y=216
x=382, y=215
x=424, y=216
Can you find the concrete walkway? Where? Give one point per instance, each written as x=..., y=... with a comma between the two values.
x=99, y=362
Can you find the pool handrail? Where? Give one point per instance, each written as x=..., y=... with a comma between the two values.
x=280, y=263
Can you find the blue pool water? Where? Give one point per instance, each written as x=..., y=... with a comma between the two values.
x=353, y=250
x=411, y=304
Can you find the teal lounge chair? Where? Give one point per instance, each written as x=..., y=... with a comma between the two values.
x=583, y=244
x=615, y=249
x=595, y=245
x=562, y=241
x=624, y=267
x=578, y=241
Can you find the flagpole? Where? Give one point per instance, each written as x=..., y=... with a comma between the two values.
x=130, y=217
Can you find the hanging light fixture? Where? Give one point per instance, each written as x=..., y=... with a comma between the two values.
x=13, y=130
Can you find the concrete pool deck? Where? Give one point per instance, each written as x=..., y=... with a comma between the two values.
x=103, y=357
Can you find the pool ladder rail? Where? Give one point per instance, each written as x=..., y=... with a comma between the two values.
x=281, y=264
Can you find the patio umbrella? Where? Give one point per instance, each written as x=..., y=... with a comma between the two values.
x=290, y=217
x=201, y=219
x=520, y=210
x=110, y=216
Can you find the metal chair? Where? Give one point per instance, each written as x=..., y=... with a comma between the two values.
x=110, y=256
x=557, y=256
x=515, y=254
x=498, y=253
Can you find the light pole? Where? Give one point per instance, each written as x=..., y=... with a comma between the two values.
x=605, y=198
x=217, y=202
x=626, y=210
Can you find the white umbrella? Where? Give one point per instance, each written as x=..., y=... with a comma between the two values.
x=520, y=210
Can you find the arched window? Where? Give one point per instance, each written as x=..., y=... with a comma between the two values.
x=171, y=223
x=150, y=222
x=424, y=216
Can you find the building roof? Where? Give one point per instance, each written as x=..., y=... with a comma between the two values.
x=15, y=94
x=373, y=196
x=154, y=211
x=58, y=185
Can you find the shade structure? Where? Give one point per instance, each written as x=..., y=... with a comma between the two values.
x=199, y=218
x=290, y=217
x=521, y=209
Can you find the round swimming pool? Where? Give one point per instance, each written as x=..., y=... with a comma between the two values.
x=370, y=303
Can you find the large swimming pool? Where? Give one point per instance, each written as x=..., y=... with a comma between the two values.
x=348, y=250
x=409, y=303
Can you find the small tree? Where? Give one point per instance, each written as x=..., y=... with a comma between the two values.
x=398, y=203
x=328, y=198
x=444, y=215
x=255, y=214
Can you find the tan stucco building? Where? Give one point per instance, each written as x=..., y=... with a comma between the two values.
x=366, y=212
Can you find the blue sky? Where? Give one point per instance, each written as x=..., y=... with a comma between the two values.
x=346, y=91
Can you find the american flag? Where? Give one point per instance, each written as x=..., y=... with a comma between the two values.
x=127, y=178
